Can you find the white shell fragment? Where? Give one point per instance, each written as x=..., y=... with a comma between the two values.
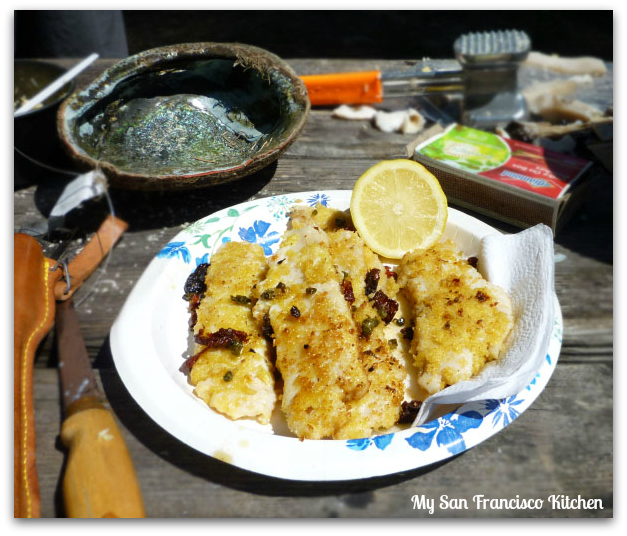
x=354, y=112
x=414, y=122
x=407, y=121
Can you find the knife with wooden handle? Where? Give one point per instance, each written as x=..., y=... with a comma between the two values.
x=37, y=285
x=100, y=479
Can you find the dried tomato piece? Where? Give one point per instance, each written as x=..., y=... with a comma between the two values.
x=347, y=290
x=190, y=361
x=390, y=273
x=194, y=302
x=232, y=339
x=408, y=333
x=372, y=281
x=409, y=411
x=195, y=283
x=385, y=306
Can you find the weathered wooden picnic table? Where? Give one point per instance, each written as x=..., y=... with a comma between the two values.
x=562, y=445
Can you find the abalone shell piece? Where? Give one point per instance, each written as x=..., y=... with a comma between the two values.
x=185, y=116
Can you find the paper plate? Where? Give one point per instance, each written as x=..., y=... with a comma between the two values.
x=149, y=342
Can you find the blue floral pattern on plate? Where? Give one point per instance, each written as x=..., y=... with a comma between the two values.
x=279, y=206
x=381, y=442
x=257, y=235
x=428, y=443
x=448, y=431
x=175, y=250
x=503, y=410
x=313, y=200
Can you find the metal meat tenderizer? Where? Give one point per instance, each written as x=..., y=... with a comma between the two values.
x=486, y=77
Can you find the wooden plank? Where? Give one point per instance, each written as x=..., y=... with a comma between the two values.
x=562, y=445
x=528, y=459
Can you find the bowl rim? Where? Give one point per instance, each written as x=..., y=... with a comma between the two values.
x=159, y=56
x=56, y=102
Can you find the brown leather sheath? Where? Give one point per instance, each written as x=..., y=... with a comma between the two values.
x=81, y=267
x=35, y=288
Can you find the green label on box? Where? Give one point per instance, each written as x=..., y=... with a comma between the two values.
x=506, y=161
x=468, y=149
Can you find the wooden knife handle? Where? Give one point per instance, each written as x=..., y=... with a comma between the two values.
x=100, y=480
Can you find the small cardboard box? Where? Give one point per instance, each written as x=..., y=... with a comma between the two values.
x=515, y=182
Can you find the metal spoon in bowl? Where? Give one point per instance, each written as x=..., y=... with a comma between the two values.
x=55, y=86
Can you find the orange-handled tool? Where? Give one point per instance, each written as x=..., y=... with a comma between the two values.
x=371, y=87
x=340, y=88
x=487, y=64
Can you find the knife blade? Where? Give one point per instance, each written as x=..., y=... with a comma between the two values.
x=99, y=480
x=77, y=377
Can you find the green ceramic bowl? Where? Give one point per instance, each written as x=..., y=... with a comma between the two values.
x=185, y=116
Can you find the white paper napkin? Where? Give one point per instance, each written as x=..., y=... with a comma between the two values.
x=522, y=264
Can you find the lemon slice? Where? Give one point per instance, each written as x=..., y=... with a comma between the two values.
x=398, y=206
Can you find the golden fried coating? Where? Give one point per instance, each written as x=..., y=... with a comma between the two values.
x=365, y=275
x=461, y=320
x=316, y=339
x=237, y=379
x=323, y=308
